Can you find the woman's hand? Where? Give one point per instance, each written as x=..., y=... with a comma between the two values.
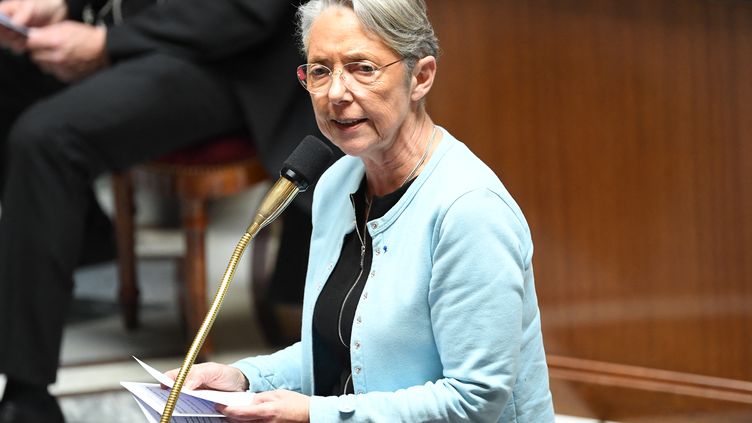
x=272, y=407
x=219, y=377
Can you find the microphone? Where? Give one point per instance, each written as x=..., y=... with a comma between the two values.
x=301, y=169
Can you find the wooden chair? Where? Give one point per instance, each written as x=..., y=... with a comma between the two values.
x=195, y=175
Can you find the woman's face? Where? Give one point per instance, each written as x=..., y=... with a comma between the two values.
x=362, y=120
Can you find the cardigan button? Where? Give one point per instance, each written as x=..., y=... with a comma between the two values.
x=357, y=345
x=346, y=405
x=358, y=320
x=374, y=225
x=357, y=370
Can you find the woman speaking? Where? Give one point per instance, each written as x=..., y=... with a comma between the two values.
x=420, y=304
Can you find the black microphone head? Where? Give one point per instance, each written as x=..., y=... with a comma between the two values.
x=307, y=162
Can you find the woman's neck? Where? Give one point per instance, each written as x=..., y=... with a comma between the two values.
x=405, y=159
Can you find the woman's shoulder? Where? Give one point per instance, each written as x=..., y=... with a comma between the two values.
x=458, y=171
x=460, y=175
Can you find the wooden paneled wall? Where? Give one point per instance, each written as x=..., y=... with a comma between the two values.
x=624, y=130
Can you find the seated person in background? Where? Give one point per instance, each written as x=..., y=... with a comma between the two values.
x=77, y=101
x=420, y=303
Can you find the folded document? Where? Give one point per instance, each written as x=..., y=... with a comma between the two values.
x=193, y=406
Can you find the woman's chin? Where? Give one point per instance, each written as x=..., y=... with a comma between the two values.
x=352, y=141
x=351, y=147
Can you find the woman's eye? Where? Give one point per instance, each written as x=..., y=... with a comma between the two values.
x=318, y=71
x=362, y=68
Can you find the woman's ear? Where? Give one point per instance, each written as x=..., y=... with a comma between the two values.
x=424, y=73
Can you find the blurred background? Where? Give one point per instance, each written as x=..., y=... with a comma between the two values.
x=624, y=131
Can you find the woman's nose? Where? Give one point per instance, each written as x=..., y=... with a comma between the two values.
x=338, y=87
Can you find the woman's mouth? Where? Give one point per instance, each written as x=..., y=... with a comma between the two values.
x=348, y=123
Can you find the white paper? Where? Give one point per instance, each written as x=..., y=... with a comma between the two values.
x=193, y=406
x=154, y=417
x=155, y=397
x=220, y=397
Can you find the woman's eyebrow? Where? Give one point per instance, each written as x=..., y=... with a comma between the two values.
x=352, y=56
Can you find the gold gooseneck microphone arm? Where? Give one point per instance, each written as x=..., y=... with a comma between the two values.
x=275, y=201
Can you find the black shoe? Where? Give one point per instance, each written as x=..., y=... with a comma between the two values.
x=23, y=412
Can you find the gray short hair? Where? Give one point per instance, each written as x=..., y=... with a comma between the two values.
x=402, y=24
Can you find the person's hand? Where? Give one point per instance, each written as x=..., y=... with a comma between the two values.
x=68, y=50
x=219, y=377
x=35, y=12
x=29, y=13
x=272, y=407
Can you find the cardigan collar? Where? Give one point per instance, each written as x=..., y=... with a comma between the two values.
x=353, y=170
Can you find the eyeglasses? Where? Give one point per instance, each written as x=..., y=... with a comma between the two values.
x=317, y=78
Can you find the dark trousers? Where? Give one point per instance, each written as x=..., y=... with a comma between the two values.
x=55, y=140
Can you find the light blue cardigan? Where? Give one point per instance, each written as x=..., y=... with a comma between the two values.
x=447, y=327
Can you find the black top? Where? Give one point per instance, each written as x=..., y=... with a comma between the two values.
x=331, y=333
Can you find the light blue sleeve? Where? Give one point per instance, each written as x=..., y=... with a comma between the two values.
x=280, y=370
x=480, y=252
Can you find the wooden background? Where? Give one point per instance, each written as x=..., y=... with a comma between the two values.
x=624, y=130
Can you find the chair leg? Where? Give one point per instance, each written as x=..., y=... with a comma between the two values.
x=122, y=186
x=194, y=219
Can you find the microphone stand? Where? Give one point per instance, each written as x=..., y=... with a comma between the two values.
x=275, y=201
